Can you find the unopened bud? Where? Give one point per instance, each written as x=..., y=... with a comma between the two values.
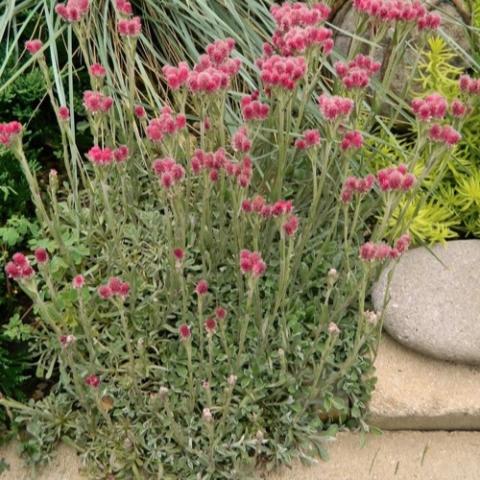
x=371, y=317
x=333, y=328
x=232, y=380
x=207, y=415
x=163, y=393
x=332, y=276
x=259, y=436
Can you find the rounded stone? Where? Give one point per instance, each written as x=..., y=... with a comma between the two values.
x=433, y=305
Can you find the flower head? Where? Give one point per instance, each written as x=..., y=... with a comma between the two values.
x=118, y=287
x=73, y=10
x=131, y=27
x=96, y=102
x=290, y=226
x=445, y=134
x=253, y=109
x=124, y=7
x=168, y=171
x=352, y=140
x=282, y=72
x=97, y=70
x=252, y=263
x=357, y=72
x=19, y=268
x=220, y=313
x=335, y=107
x=63, y=113
x=41, y=255
x=433, y=106
x=201, y=288
x=100, y=156
x=9, y=132
x=120, y=154
x=240, y=140
x=166, y=124
x=67, y=340
x=33, y=46
x=184, y=332
x=92, y=381
x=210, y=325
x=78, y=281
x=139, y=111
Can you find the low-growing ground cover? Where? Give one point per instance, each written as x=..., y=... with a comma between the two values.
x=202, y=276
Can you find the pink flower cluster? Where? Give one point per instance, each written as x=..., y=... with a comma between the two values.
x=259, y=206
x=298, y=39
x=281, y=72
x=114, y=288
x=97, y=102
x=176, y=76
x=240, y=140
x=398, y=11
x=430, y=21
x=444, y=134
x=106, y=156
x=357, y=72
x=290, y=226
x=184, y=332
x=279, y=209
x=469, y=85
x=201, y=288
x=210, y=325
x=354, y=185
x=97, y=70
x=73, y=10
x=168, y=171
x=92, y=381
x=252, y=263
x=253, y=109
x=63, y=113
x=395, y=178
x=41, y=256
x=430, y=107
x=458, y=108
x=124, y=7
x=33, y=46
x=214, y=69
x=290, y=15
x=309, y=139
x=129, y=27
x=211, y=74
x=9, y=131
x=381, y=251
x=78, y=281
x=214, y=162
x=166, y=124
x=334, y=107
x=19, y=268
x=353, y=139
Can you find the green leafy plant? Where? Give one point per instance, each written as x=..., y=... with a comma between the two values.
x=201, y=281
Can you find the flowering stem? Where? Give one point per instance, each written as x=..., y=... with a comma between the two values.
x=284, y=113
x=210, y=358
x=87, y=327
x=200, y=326
x=128, y=341
x=345, y=237
x=245, y=322
x=223, y=338
x=188, y=348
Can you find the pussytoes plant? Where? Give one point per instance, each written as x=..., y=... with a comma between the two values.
x=203, y=284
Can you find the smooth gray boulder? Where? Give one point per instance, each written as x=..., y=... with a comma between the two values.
x=434, y=303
